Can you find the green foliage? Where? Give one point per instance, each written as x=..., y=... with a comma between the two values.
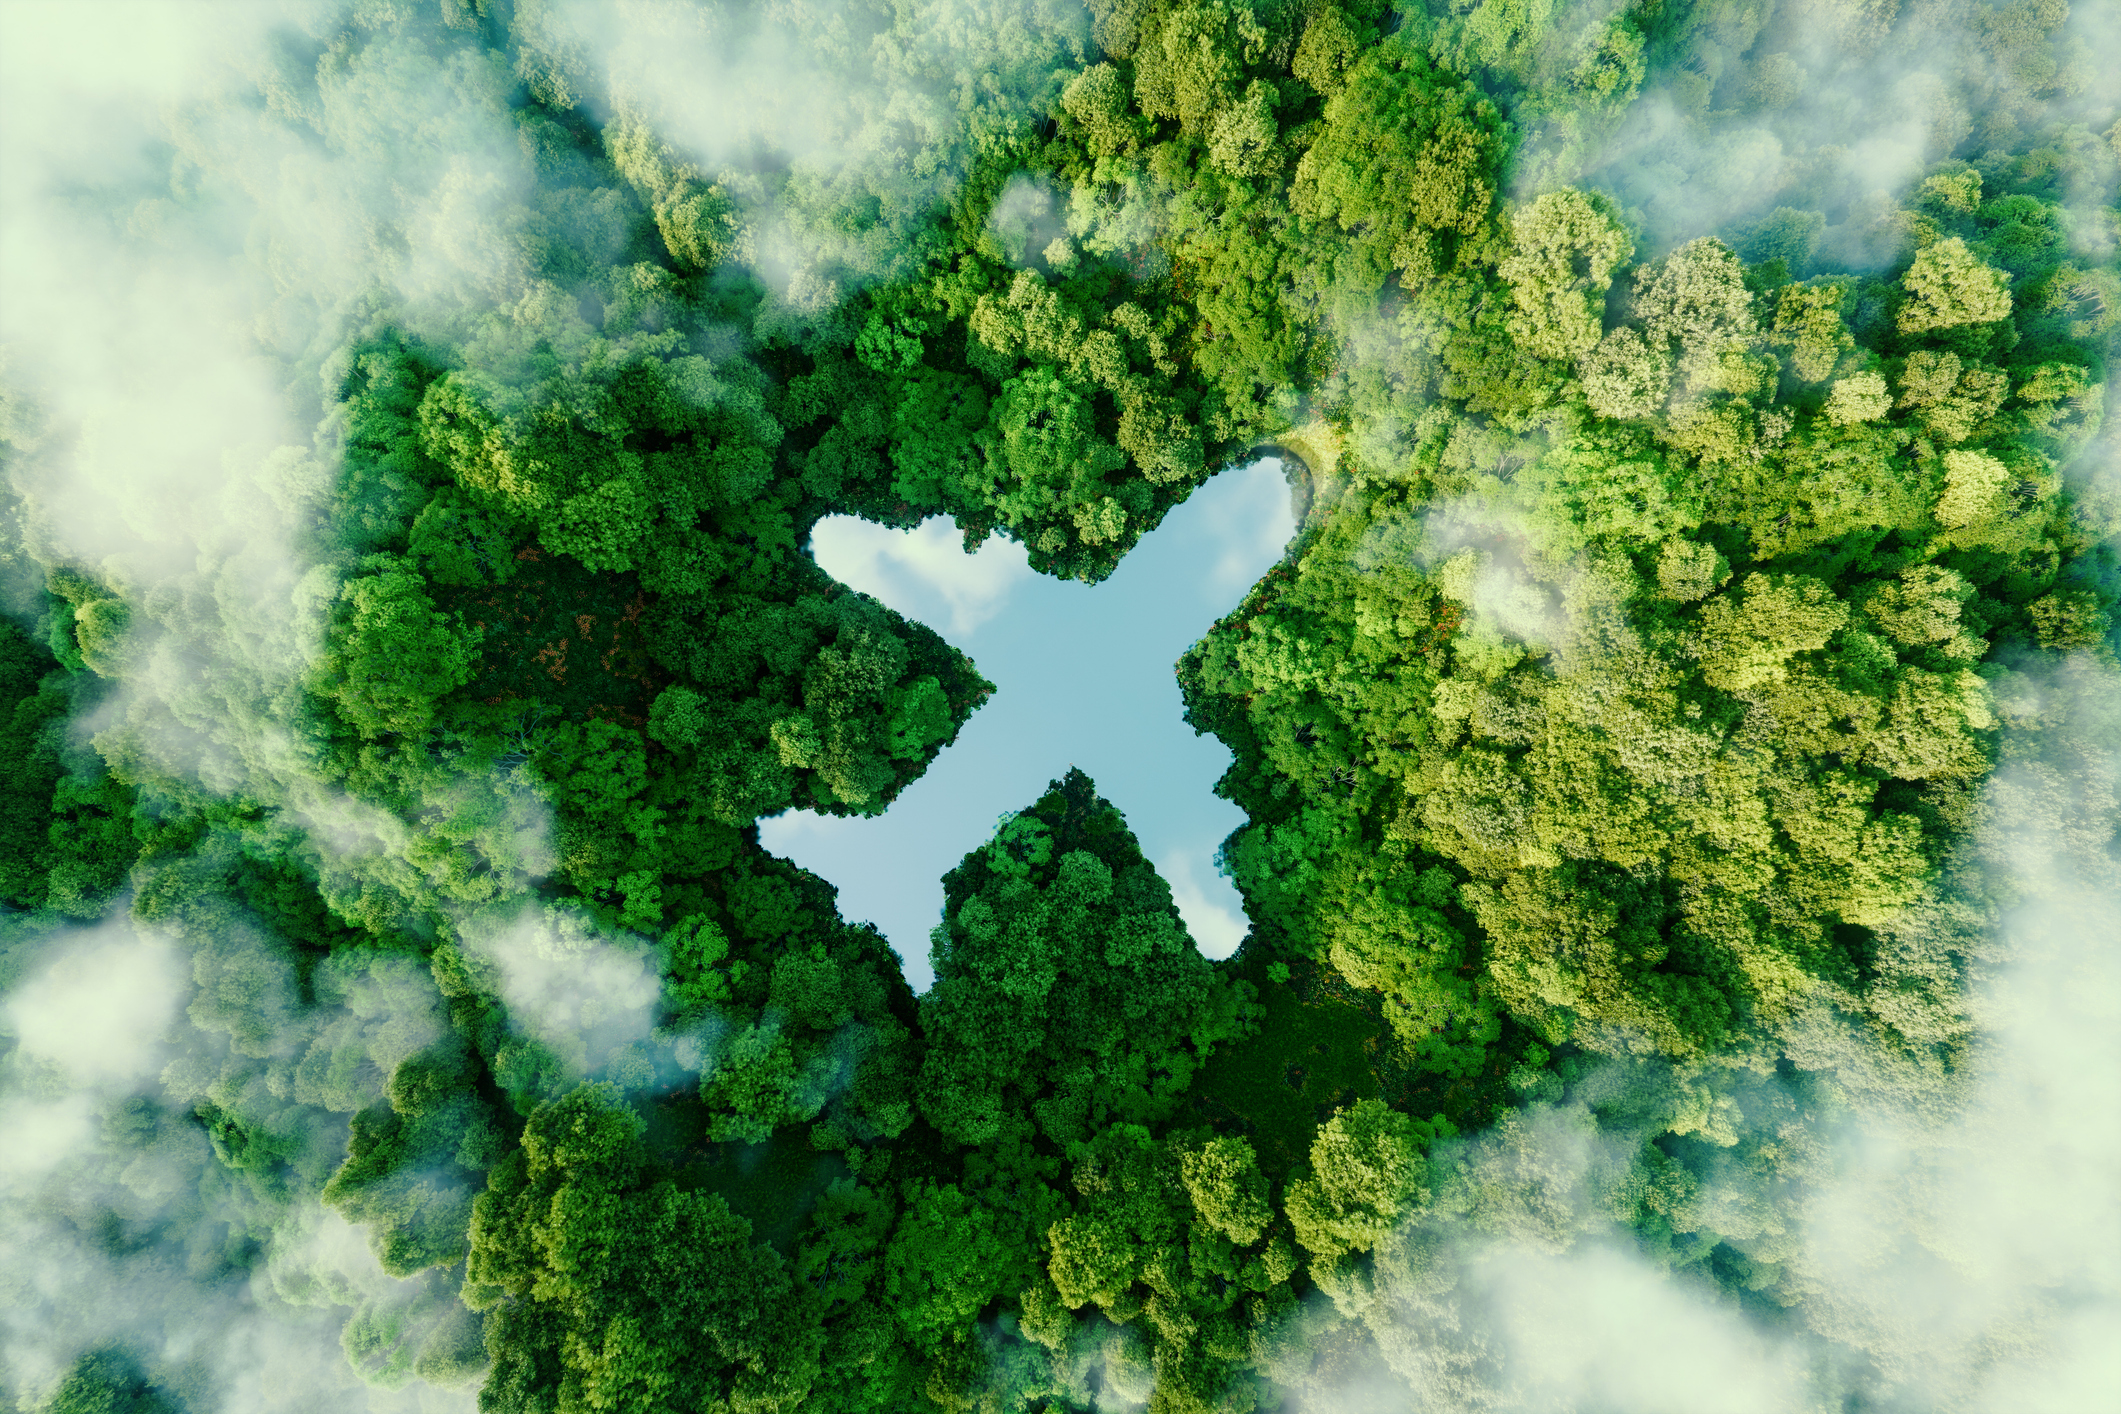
x=1174, y=1239
x=1403, y=164
x=604, y=1288
x=1223, y=1181
x=108, y=1381
x=392, y=653
x=1769, y=517
x=1367, y=1166
x=793, y=1016
x=411, y=1163
x=699, y=224
x=1312, y=1051
x=1948, y=285
x=69, y=834
x=1067, y=992
x=1664, y=598
x=1564, y=249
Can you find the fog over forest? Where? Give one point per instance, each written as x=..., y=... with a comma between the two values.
x=1676, y=761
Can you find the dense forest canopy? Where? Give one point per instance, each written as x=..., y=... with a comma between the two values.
x=1678, y=749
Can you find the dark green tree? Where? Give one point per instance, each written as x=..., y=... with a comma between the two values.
x=606, y=1288
x=1068, y=993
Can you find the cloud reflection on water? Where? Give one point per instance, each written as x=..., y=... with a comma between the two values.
x=1083, y=677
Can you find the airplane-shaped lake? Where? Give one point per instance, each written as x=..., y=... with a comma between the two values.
x=1083, y=677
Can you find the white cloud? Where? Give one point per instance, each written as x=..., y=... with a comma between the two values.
x=1213, y=913
x=921, y=570
x=101, y=1010
x=591, y=997
x=114, y=1207
x=41, y=1135
x=1599, y=1328
x=1252, y=523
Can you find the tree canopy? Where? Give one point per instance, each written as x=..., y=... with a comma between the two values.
x=1699, y=549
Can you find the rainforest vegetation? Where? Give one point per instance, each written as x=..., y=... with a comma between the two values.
x=1692, y=523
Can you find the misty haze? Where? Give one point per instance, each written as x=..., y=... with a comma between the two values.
x=539, y=875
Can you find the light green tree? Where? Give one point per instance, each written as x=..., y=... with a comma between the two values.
x=1949, y=286
x=1564, y=248
x=391, y=653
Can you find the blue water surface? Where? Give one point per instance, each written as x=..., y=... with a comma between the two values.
x=1083, y=677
